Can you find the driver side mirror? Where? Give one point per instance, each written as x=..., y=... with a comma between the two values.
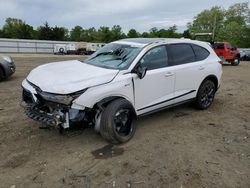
x=141, y=71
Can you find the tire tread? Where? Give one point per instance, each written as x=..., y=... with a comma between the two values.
x=106, y=128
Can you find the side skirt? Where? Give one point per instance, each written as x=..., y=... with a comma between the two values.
x=167, y=107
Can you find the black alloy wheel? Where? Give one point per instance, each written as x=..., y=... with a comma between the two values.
x=205, y=95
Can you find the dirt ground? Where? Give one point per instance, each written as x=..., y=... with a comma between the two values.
x=180, y=147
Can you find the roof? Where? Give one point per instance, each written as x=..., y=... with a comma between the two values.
x=141, y=42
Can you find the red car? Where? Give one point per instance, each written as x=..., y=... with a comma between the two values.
x=227, y=52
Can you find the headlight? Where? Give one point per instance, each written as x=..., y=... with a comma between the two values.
x=7, y=58
x=62, y=99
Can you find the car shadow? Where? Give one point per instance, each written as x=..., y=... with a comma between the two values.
x=11, y=78
x=226, y=65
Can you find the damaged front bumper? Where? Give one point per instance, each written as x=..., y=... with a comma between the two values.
x=50, y=113
x=34, y=112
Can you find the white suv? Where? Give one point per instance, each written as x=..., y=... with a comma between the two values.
x=121, y=81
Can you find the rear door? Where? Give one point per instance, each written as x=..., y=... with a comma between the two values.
x=190, y=69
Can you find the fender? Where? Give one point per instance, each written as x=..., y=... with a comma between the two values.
x=104, y=102
x=121, y=87
x=210, y=77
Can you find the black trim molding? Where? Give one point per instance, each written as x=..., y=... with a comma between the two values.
x=166, y=100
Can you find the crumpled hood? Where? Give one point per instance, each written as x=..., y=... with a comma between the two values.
x=69, y=76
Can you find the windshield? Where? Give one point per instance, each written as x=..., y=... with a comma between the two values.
x=114, y=56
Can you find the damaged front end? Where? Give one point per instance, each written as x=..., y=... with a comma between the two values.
x=53, y=109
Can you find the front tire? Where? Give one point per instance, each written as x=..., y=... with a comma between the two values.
x=118, y=122
x=1, y=74
x=235, y=62
x=205, y=95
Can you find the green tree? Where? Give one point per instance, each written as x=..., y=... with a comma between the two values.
x=186, y=34
x=171, y=32
x=59, y=33
x=209, y=21
x=45, y=32
x=239, y=13
x=145, y=35
x=153, y=32
x=85, y=35
x=231, y=25
x=75, y=33
x=66, y=34
x=103, y=35
x=91, y=35
x=132, y=33
x=116, y=33
x=1, y=33
x=16, y=28
x=236, y=25
x=246, y=37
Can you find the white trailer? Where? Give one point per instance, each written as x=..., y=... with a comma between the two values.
x=93, y=47
x=60, y=48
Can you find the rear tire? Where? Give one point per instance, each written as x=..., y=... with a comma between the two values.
x=118, y=122
x=205, y=95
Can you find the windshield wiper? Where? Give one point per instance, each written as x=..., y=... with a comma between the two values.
x=124, y=58
x=103, y=53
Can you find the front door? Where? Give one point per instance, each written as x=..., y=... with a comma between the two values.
x=156, y=89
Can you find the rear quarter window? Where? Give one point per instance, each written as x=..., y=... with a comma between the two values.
x=200, y=52
x=180, y=54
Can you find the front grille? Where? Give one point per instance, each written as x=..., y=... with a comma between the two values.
x=36, y=114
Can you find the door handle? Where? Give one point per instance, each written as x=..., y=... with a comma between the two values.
x=168, y=74
x=201, y=68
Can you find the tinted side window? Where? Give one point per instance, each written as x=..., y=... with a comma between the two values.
x=219, y=46
x=181, y=54
x=200, y=52
x=229, y=46
x=155, y=58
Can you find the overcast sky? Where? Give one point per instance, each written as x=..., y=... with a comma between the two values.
x=139, y=14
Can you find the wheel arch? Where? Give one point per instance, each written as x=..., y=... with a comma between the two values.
x=105, y=101
x=213, y=78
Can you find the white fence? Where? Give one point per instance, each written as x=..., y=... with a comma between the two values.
x=28, y=46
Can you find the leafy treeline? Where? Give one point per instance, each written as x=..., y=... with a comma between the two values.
x=16, y=28
x=231, y=25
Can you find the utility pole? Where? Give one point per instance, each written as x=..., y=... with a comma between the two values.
x=214, y=27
